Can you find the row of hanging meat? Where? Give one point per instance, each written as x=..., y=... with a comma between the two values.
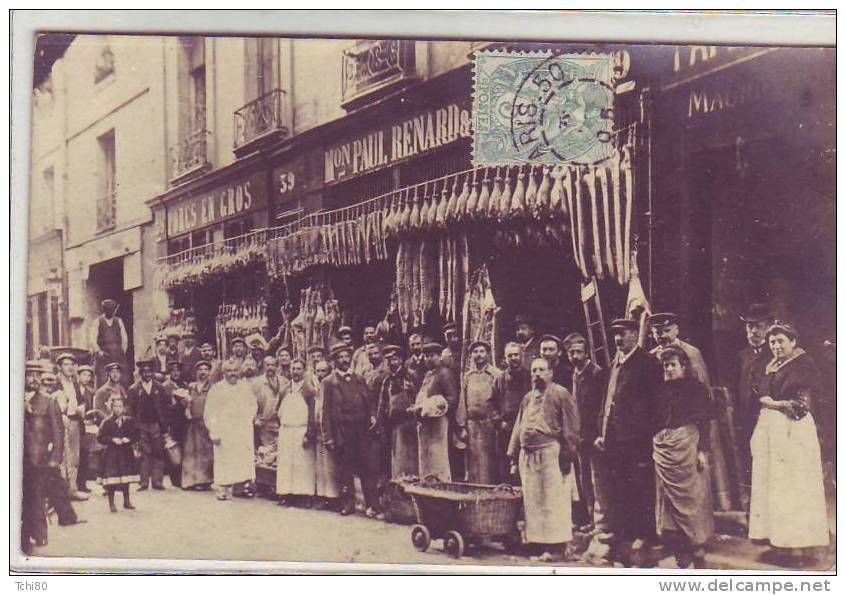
x=595, y=203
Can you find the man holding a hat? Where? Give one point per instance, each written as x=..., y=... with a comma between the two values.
x=435, y=403
x=348, y=421
x=190, y=355
x=43, y=445
x=108, y=339
x=753, y=360
x=69, y=398
x=475, y=405
x=666, y=331
x=624, y=478
x=149, y=404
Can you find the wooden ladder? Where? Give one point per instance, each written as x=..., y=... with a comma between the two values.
x=595, y=323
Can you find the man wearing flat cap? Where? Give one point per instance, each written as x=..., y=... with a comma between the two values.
x=207, y=351
x=524, y=333
x=665, y=328
x=149, y=404
x=624, y=479
x=112, y=387
x=345, y=335
x=190, y=355
x=107, y=339
x=394, y=416
x=43, y=444
x=435, y=403
x=69, y=398
x=752, y=360
x=473, y=416
x=348, y=421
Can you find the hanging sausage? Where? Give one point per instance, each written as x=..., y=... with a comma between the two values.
x=493, y=200
x=481, y=209
x=531, y=193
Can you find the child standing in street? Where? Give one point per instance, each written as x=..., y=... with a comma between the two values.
x=118, y=433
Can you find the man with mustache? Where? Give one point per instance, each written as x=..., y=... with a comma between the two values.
x=525, y=336
x=347, y=422
x=543, y=448
x=508, y=392
x=623, y=472
x=473, y=416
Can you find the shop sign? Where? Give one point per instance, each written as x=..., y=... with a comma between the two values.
x=691, y=63
x=221, y=204
x=721, y=98
x=398, y=141
x=297, y=177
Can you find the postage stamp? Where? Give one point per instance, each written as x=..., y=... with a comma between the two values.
x=542, y=108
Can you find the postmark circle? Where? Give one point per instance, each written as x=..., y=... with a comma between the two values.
x=562, y=113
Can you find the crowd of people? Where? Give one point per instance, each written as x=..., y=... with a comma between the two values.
x=620, y=453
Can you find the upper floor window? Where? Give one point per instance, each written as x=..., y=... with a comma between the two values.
x=190, y=154
x=104, y=64
x=262, y=117
x=372, y=66
x=261, y=71
x=107, y=197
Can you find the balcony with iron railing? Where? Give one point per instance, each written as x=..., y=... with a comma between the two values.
x=260, y=121
x=106, y=211
x=190, y=156
x=373, y=66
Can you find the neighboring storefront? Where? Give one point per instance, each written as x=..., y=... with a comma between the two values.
x=46, y=315
x=209, y=233
x=737, y=131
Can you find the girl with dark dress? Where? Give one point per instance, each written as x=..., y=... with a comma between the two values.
x=118, y=434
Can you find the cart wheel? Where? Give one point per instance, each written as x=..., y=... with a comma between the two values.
x=420, y=538
x=454, y=544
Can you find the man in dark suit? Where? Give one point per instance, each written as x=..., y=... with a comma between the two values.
x=589, y=391
x=753, y=360
x=43, y=447
x=348, y=424
x=626, y=427
x=149, y=404
x=190, y=356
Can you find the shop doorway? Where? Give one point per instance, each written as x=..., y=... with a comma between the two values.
x=105, y=281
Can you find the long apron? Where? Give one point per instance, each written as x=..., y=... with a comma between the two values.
x=229, y=414
x=326, y=465
x=547, y=495
x=682, y=492
x=481, y=450
x=788, y=500
x=295, y=463
x=404, y=455
x=70, y=457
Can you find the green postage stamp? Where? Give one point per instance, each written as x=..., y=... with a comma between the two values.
x=541, y=108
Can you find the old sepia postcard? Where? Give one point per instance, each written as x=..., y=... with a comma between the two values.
x=425, y=300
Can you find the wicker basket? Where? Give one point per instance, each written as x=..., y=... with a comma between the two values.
x=479, y=510
x=397, y=504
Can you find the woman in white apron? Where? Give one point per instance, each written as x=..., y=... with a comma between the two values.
x=788, y=507
x=295, y=455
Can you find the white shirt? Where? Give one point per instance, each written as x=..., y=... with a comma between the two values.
x=147, y=386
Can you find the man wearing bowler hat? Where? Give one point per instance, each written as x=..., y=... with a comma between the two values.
x=666, y=331
x=752, y=360
x=149, y=404
x=473, y=417
x=108, y=339
x=348, y=422
x=524, y=333
x=624, y=479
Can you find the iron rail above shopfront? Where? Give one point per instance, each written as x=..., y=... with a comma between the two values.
x=260, y=119
x=190, y=155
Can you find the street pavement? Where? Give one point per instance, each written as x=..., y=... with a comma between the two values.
x=174, y=524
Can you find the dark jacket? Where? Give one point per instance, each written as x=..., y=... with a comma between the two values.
x=508, y=392
x=441, y=381
x=345, y=403
x=161, y=403
x=393, y=402
x=750, y=383
x=589, y=390
x=188, y=361
x=633, y=413
x=44, y=431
